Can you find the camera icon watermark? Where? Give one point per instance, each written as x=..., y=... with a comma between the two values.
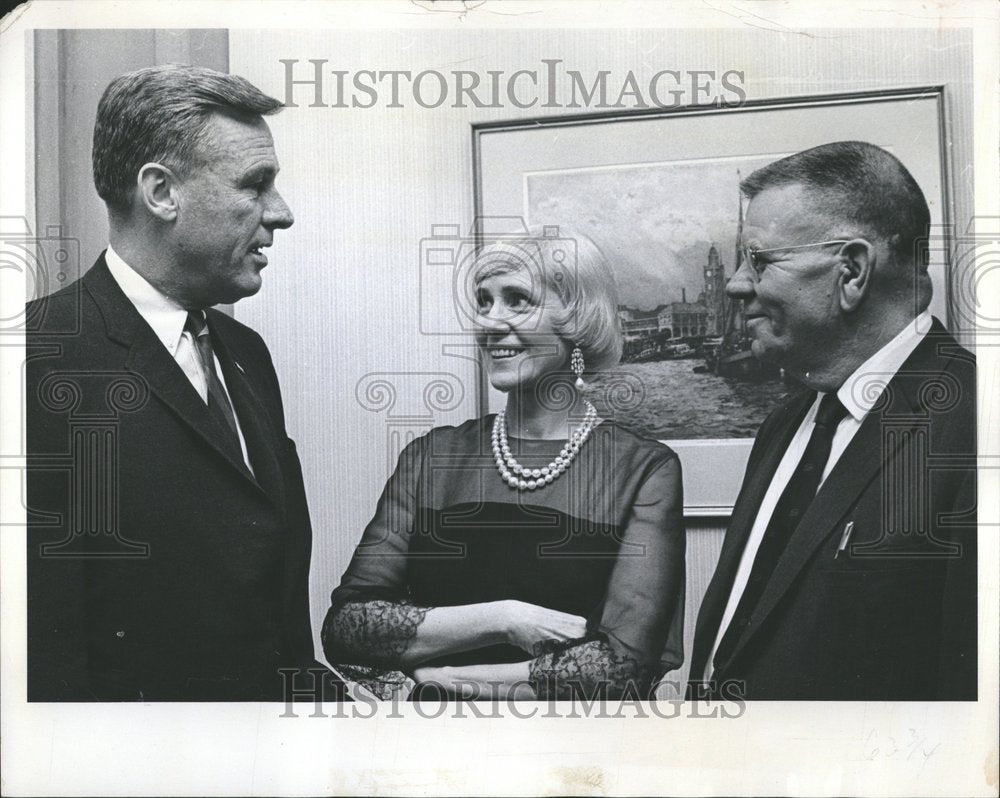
x=453, y=264
x=31, y=268
x=971, y=261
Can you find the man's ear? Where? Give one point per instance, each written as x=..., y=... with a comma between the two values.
x=158, y=191
x=857, y=268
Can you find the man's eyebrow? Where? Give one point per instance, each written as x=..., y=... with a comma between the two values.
x=261, y=170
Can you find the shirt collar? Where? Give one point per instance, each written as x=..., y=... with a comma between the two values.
x=163, y=314
x=857, y=394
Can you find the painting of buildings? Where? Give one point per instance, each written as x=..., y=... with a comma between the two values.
x=670, y=233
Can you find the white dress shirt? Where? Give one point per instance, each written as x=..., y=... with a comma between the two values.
x=858, y=394
x=167, y=319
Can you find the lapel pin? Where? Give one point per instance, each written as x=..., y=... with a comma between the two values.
x=844, y=538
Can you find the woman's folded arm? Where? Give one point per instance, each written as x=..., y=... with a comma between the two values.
x=399, y=635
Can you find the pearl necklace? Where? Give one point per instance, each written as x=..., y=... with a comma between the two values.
x=516, y=475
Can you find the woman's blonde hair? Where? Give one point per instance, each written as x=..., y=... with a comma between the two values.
x=572, y=266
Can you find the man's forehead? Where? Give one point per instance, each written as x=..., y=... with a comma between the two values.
x=786, y=207
x=236, y=135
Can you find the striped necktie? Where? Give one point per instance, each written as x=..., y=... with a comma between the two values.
x=218, y=400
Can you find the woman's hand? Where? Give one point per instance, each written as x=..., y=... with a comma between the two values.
x=526, y=625
x=429, y=674
x=510, y=680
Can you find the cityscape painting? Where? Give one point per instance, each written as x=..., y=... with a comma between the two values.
x=669, y=232
x=658, y=192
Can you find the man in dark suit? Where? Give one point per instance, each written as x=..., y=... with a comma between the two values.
x=169, y=536
x=848, y=570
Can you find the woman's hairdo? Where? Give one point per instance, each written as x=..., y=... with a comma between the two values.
x=572, y=266
x=160, y=115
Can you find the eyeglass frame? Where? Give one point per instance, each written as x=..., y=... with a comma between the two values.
x=749, y=254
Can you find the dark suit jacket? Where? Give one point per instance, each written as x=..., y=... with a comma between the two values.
x=159, y=567
x=892, y=617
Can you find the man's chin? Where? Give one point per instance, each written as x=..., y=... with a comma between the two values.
x=775, y=356
x=252, y=289
x=767, y=354
x=234, y=294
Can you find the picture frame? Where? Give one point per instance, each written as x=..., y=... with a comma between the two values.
x=682, y=166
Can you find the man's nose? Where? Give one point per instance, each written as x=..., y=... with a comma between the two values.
x=277, y=213
x=741, y=284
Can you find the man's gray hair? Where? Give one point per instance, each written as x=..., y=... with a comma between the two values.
x=160, y=114
x=857, y=184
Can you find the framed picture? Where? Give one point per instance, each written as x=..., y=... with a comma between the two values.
x=658, y=192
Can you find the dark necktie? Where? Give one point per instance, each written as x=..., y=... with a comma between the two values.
x=794, y=501
x=218, y=400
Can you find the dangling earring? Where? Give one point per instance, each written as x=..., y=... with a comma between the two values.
x=576, y=363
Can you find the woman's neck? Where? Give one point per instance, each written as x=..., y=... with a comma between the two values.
x=549, y=417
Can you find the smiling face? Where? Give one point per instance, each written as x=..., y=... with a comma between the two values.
x=228, y=210
x=792, y=310
x=516, y=318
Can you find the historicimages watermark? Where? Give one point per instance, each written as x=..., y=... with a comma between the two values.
x=314, y=83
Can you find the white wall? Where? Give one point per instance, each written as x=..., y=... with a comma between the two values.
x=341, y=298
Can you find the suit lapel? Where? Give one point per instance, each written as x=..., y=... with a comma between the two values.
x=759, y=475
x=148, y=358
x=860, y=463
x=760, y=470
x=258, y=432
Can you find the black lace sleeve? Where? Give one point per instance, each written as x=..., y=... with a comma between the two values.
x=587, y=670
x=639, y=635
x=365, y=639
x=373, y=633
x=371, y=620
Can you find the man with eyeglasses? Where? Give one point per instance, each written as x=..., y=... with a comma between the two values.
x=848, y=570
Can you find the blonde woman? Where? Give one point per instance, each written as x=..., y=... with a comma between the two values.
x=536, y=553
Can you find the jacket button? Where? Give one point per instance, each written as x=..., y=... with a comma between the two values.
x=120, y=633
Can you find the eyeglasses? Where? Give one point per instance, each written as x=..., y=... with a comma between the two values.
x=756, y=267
